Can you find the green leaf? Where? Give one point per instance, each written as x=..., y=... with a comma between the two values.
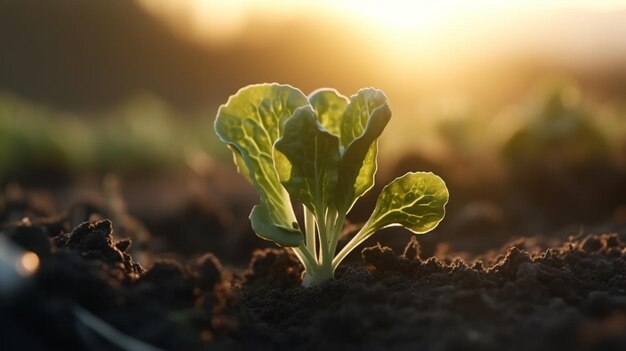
x=329, y=106
x=358, y=112
x=263, y=226
x=240, y=163
x=415, y=200
x=251, y=122
x=306, y=159
x=364, y=120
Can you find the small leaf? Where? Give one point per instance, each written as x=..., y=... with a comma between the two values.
x=364, y=120
x=264, y=228
x=415, y=201
x=306, y=159
x=250, y=123
x=358, y=112
x=329, y=106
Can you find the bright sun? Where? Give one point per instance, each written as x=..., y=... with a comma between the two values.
x=405, y=16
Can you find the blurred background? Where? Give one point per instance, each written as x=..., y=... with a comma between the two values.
x=106, y=110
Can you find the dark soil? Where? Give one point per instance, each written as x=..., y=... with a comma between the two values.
x=571, y=297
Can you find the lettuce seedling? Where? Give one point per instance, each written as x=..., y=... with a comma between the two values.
x=321, y=151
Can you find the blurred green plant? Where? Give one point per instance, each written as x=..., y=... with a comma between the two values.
x=564, y=157
x=560, y=133
x=141, y=134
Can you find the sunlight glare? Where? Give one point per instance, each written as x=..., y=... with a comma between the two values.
x=405, y=16
x=406, y=27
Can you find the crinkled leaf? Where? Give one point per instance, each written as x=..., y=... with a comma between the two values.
x=240, y=163
x=306, y=159
x=329, y=106
x=262, y=225
x=251, y=122
x=364, y=119
x=415, y=201
x=358, y=113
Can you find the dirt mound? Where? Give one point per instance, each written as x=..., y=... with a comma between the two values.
x=567, y=298
x=89, y=294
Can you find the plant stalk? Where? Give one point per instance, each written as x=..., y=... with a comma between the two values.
x=321, y=269
x=364, y=233
x=310, y=232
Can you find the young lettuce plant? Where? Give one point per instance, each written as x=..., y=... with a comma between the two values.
x=321, y=151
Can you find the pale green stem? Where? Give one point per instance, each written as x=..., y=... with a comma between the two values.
x=310, y=234
x=365, y=232
x=323, y=237
x=322, y=270
x=330, y=227
x=307, y=259
x=337, y=224
x=319, y=253
x=325, y=256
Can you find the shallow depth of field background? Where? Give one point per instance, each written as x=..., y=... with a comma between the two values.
x=106, y=109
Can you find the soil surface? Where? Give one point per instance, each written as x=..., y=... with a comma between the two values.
x=90, y=294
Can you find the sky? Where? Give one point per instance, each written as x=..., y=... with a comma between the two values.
x=194, y=52
x=427, y=38
x=433, y=24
